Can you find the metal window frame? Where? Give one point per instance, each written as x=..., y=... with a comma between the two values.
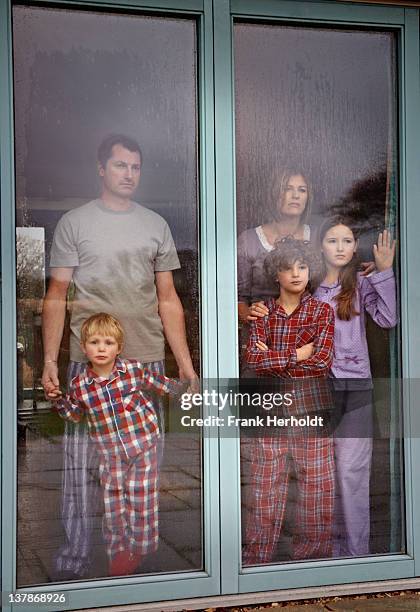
x=95, y=593
x=405, y=23
x=219, y=321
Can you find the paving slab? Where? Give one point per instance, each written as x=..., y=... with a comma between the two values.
x=379, y=604
x=172, y=482
x=191, y=497
x=306, y=607
x=169, y=502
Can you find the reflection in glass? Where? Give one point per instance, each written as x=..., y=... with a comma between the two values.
x=80, y=76
x=316, y=134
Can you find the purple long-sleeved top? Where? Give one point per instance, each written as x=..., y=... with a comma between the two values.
x=376, y=294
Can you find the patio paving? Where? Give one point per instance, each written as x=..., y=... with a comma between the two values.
x=40, y=532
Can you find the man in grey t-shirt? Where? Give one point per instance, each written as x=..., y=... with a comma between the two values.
x=120, y=257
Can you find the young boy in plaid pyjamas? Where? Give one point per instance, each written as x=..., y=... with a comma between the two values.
x=292, y=338
x=123, y=423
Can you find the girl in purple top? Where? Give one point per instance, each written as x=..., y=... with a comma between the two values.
x=351, y=294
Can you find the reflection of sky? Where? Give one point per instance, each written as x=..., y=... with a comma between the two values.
x=81, y=75
x=30, y=261
x=34, y=233
x=317, y=99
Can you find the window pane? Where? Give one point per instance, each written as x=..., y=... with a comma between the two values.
x=316, y=156
x=79, y=77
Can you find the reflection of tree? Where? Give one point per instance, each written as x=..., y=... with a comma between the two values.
x=29, y=267
x=365, y=203
x=29, y=292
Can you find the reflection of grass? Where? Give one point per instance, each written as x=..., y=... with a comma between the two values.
x=47, y=425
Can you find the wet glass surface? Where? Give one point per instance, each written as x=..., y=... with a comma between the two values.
x=79, y=76
x=316, y=117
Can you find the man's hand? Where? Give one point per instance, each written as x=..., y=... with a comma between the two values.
x=190, y=377
x=304, y=352
x=50, y=381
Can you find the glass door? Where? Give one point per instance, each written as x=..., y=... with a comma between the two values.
x=111, y=240
x=154, y=171
x=319, y=218
x=328, y=123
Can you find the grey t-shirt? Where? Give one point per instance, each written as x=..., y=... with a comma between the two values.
x=115, y=256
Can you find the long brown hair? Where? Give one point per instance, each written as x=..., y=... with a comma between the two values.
x=348, y=274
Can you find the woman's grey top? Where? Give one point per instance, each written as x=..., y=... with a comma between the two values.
x=253, y=283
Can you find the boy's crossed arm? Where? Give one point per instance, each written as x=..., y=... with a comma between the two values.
x=320, y=361
x=302, y=353
x=311, y=360
x=265, y=359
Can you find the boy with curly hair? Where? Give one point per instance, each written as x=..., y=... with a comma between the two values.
x=293, y=341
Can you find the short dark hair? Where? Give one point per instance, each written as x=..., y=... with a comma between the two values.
x=286, y=252
x=105, y=148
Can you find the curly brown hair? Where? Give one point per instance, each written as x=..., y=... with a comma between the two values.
x=286, y=252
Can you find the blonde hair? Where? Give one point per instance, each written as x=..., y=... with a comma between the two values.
x=103, y=324
x=279, y=182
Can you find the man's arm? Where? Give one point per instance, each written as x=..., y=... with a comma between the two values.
x=53, y=316
x=172, y=316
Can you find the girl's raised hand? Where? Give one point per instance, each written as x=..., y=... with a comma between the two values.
x=384, y=251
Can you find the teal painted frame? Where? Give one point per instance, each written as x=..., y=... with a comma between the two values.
x=8, y=329
x=219, y=318
x=405, y=23
x=226, y=278
x=129, y=590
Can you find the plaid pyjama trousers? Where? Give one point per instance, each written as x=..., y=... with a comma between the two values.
x=271, y=462
x=80, y=487
x=130, y=489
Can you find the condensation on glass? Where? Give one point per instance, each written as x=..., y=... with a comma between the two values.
x=319, y=105
x=79, y=76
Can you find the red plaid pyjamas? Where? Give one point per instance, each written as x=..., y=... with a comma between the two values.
x=131, y=502
x=312, y=454
x=123, y=423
